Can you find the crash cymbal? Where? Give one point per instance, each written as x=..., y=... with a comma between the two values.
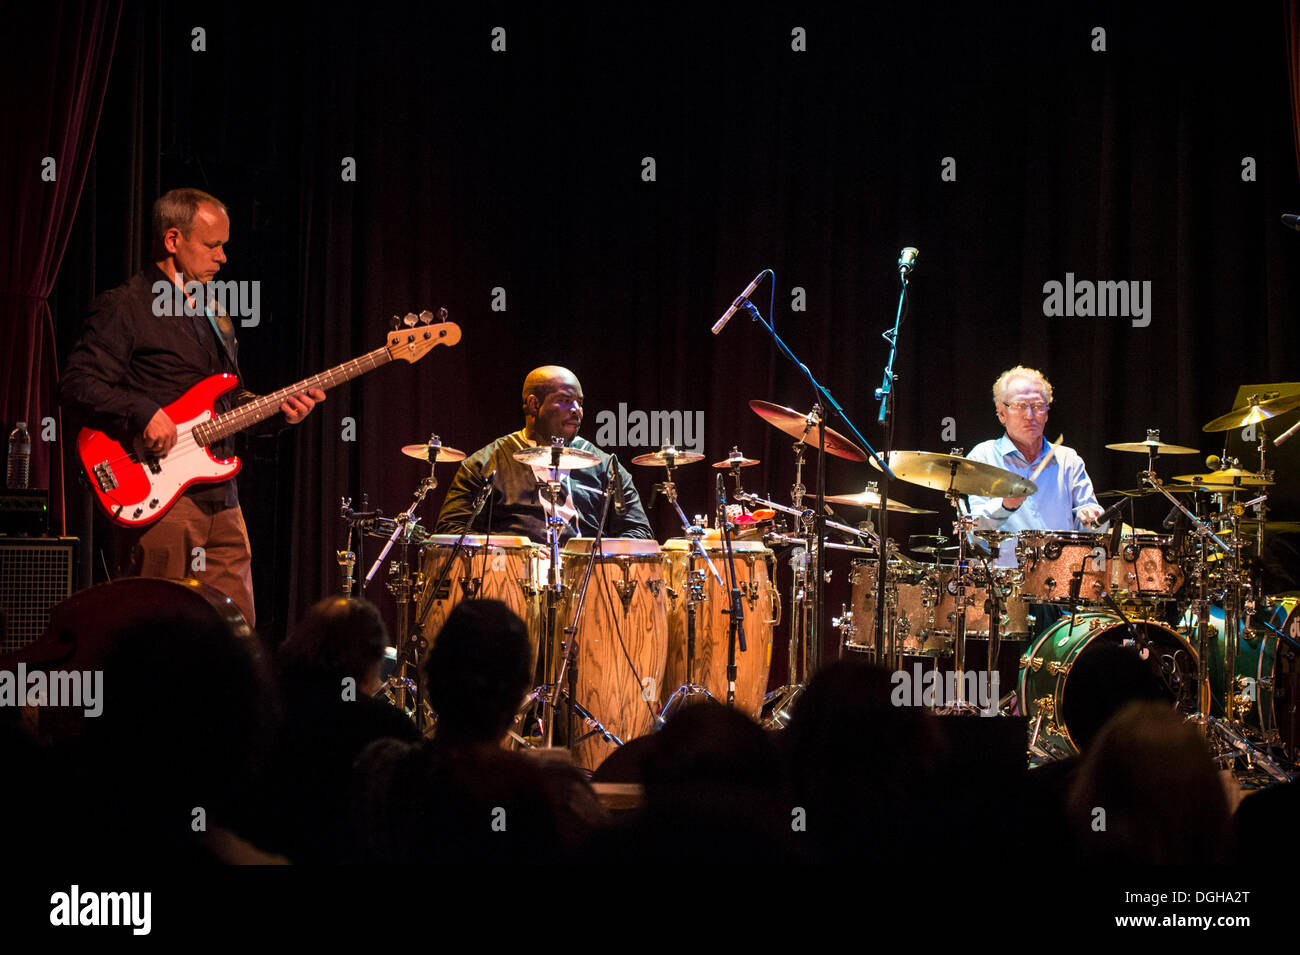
x=421, y=453
x=926, y=543
x=939, y=471
x=799, y=425
x=869, y=498
x=1229, y=477
x=1253, y=413
x=571, y=459
x=736, y=460
x=661, y=457
x=1145, y=447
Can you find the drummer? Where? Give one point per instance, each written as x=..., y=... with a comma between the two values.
x=552, y=404
x=1065, y=500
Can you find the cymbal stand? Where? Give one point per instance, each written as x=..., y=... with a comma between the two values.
x=349, y=558
x=961, y=528
x=1225, y=739
x=736, y=611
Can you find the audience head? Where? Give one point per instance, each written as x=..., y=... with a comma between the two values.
x=338, y=638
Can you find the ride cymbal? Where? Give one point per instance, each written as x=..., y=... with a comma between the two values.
x=1229, y=477
x=1145, y=447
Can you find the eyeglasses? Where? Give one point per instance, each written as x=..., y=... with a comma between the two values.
x=1021, y=407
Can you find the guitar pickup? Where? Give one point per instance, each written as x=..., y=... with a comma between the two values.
x=104, y=477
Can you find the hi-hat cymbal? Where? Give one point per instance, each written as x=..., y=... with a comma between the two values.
x=736, y=460
x=941, y=471
x=1159, y=447
x=571, y=459
x=1253, y=413
x=661, y=458
x=799, y=425
x=421, y=453
x=870, y=498
x=1229, y=477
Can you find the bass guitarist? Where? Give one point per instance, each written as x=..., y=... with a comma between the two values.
x=139, y=353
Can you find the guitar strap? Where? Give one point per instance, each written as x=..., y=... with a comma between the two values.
x=225, y=330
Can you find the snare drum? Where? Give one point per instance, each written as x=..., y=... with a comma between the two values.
x=1044, y=688
x=624, y=617
x=1051, y=561
x=755, y=573
x=1262, y=671
x=513, y=571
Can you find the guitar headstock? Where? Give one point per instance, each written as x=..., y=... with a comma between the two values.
x=417, y=336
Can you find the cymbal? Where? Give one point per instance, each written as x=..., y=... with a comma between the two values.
x=872, y=499
x=1250, y=526
x=1144, y=491
x=1159, y=447
x=939, y=471
x=797, y=425
x=1253, y=413
x=1229, y=477
x=736, y=460
x=421, y=453
x=571, y=459
x=660, y=458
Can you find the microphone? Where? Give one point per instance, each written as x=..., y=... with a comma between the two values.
x=907, y=260
x=620, y=506
x=1111, y=512
x=726, y=316
x=1291, y=222
x=487, y=483
x=1172, y=517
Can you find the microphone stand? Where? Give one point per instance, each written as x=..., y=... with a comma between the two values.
x=893, y=657
x=736, y=614
x=821, y=394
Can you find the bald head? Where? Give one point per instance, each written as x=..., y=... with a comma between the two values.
x=552, y=398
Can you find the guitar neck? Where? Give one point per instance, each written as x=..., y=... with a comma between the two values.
x=259, y=409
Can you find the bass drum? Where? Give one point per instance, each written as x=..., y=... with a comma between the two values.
x=1045, y=688
x=1265, y=671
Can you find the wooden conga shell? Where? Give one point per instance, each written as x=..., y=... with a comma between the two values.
x=762, y=605
x=626, y=598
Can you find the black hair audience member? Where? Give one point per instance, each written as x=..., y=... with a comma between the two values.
x=1148, y=792
x=460, y=796
x=329, y=671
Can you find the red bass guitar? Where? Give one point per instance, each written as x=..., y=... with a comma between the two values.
x=136, y=487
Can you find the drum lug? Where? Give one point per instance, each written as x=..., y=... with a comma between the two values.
x=470, y=586
x=655, y=586
x=1047, y=706
x=625, y=589
x=1058, y=669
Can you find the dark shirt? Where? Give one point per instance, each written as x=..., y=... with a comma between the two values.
x=515, y=506
x=129, y=363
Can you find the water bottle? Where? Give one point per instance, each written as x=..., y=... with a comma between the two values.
x=20, y=456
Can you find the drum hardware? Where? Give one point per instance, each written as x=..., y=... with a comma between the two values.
x=1225, y=735
x=736, y=613
x=411, y=643
x=694, y=597
x=1152, y=446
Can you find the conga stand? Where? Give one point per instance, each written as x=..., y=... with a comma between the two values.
x=736, y=612
x=694, y=595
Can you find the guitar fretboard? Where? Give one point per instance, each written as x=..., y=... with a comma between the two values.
x=259, y=409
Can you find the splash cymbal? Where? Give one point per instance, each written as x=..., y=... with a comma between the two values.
x=1145, y=447
x=571, y=459
x=667, y=456
x=421, y=453
x=736, y=460
x=870, y=498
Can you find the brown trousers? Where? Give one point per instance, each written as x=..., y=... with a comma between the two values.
x=166, y=548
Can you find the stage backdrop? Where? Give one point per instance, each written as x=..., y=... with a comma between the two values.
x=592, y=188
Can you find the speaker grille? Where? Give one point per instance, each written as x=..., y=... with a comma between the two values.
x=35, y=575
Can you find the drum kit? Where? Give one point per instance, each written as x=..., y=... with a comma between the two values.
x=625, y=631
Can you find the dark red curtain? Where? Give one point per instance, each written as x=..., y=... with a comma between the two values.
x=1293, y=69
x=55, y=72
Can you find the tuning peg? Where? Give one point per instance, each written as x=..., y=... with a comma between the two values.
x=394, y=323
x=409, y=319
x=426, y=317
x=442, y=314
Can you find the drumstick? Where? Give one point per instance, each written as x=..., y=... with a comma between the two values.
x=1047, y=458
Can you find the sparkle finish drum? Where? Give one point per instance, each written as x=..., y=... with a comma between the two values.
x=1044, y=688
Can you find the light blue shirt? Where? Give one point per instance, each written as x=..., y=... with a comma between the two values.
x=1063, y=488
